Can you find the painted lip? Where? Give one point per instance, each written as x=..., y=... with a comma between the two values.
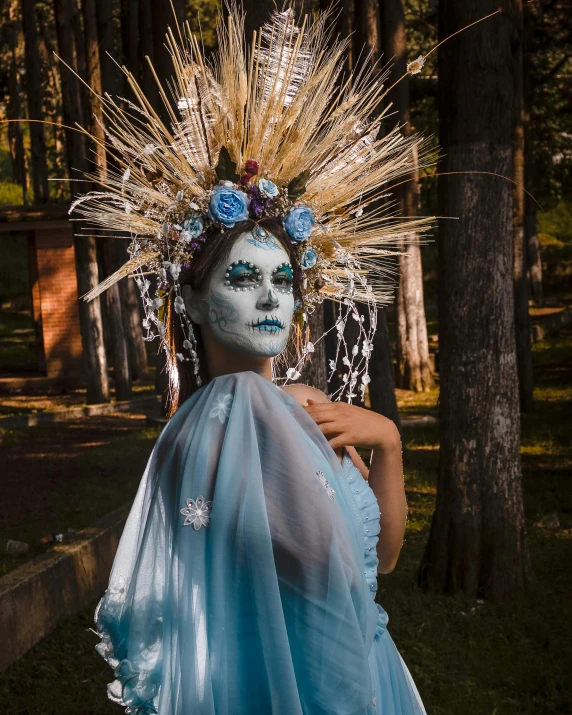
x=272, y=325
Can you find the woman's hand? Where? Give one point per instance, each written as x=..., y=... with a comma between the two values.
x=345, y=425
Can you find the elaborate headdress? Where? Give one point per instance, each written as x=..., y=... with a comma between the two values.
x=269, y=131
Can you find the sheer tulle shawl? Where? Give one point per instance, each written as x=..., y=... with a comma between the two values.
x=251, y=597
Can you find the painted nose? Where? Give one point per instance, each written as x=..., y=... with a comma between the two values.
x=270, y=300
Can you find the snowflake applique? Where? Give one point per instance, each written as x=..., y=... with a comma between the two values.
x=324, y=482
x=222, y=407
x=197, y=512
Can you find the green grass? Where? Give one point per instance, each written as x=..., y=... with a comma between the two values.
x=86, y=474
x=467, y=657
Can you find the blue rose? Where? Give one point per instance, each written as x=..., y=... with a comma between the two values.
x=193, y=227
x=309, y=258
x=298, y=223
x=268, y=188
x=228, y=206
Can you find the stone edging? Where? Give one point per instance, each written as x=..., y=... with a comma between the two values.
x=75, y=413
x=58, y=583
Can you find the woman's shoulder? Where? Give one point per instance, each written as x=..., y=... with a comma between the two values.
x=301, y=393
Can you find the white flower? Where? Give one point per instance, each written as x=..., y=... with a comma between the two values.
x=180, y=196
x=366, y=379
x=185, y=236
x=126, y=174
x=197, y=512
x=179, y=305
x=268, y=188
x=332, y=365
x=292, y=373
x=149, y=149
x=187, y=345
x=158, y=302
x=174, y=270
x=127, y=208
x=310, y=347
x=416, y=66
x=355, y=349
x=222, y=407
x=180, y=357
x=346, y=361
x=324, y=482
x=359, y=212
x=367, y=348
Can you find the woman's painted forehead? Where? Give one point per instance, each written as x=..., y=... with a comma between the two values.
x=263, y=256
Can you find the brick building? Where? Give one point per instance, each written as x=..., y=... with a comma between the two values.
x=53, y=288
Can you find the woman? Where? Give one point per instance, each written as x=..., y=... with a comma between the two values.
x=245, y=578
x=267, y=604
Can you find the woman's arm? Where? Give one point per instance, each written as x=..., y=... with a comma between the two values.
x=349, y=425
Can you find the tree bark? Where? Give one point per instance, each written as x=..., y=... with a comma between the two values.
x=130, y=316
x=145, y=49
x=95, y=363
x=13, y=110
x=121, y=370
x=133, y=328
x=34, y=94
x=530, y=207
x=164, y=16
x=521, y=287
x=382, y=372
x=413, y=365
x=477, y=542
x=382, y=386
x=531, y=232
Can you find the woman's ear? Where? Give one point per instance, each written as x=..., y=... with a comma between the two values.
x=195, y=305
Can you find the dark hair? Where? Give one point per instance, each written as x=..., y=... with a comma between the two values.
x=215, y=250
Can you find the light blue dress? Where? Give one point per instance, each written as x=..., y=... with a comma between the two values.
x=245, y=578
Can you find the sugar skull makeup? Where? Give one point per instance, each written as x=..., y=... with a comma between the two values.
x=249, y=299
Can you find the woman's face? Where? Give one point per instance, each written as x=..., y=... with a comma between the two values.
x=248, y=301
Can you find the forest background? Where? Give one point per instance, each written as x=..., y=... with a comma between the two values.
x=476, y=602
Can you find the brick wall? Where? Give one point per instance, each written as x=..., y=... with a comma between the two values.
x=59, y=301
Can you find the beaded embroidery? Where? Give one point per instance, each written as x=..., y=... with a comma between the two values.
x=324, y=482
x=197, y=513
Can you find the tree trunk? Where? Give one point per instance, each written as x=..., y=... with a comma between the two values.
x=130, y=316
x=367, y=47
x=97, y=386
x=133, y=328
x=13, y=110
x=477, y=542
x=531, y=232
x=344, y=25
x=521, y=287
x=34, y=94
x=119, y=351
x=164, y=16
x=530, y=207
x=413, y=366
x=146, y=31
x=381, y=370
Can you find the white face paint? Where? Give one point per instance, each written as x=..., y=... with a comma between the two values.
x=249, y=299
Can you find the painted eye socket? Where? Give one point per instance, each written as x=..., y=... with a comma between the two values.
x=242, y=275
x=283, y=277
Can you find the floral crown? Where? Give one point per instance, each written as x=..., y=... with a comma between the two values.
x=271, y=132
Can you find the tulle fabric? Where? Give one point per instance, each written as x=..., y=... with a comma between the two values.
x=261, y=605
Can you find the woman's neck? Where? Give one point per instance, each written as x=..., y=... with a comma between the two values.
x=223, y=361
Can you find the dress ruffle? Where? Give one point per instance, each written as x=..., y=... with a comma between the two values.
x=394, y=690
x=369, y=513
